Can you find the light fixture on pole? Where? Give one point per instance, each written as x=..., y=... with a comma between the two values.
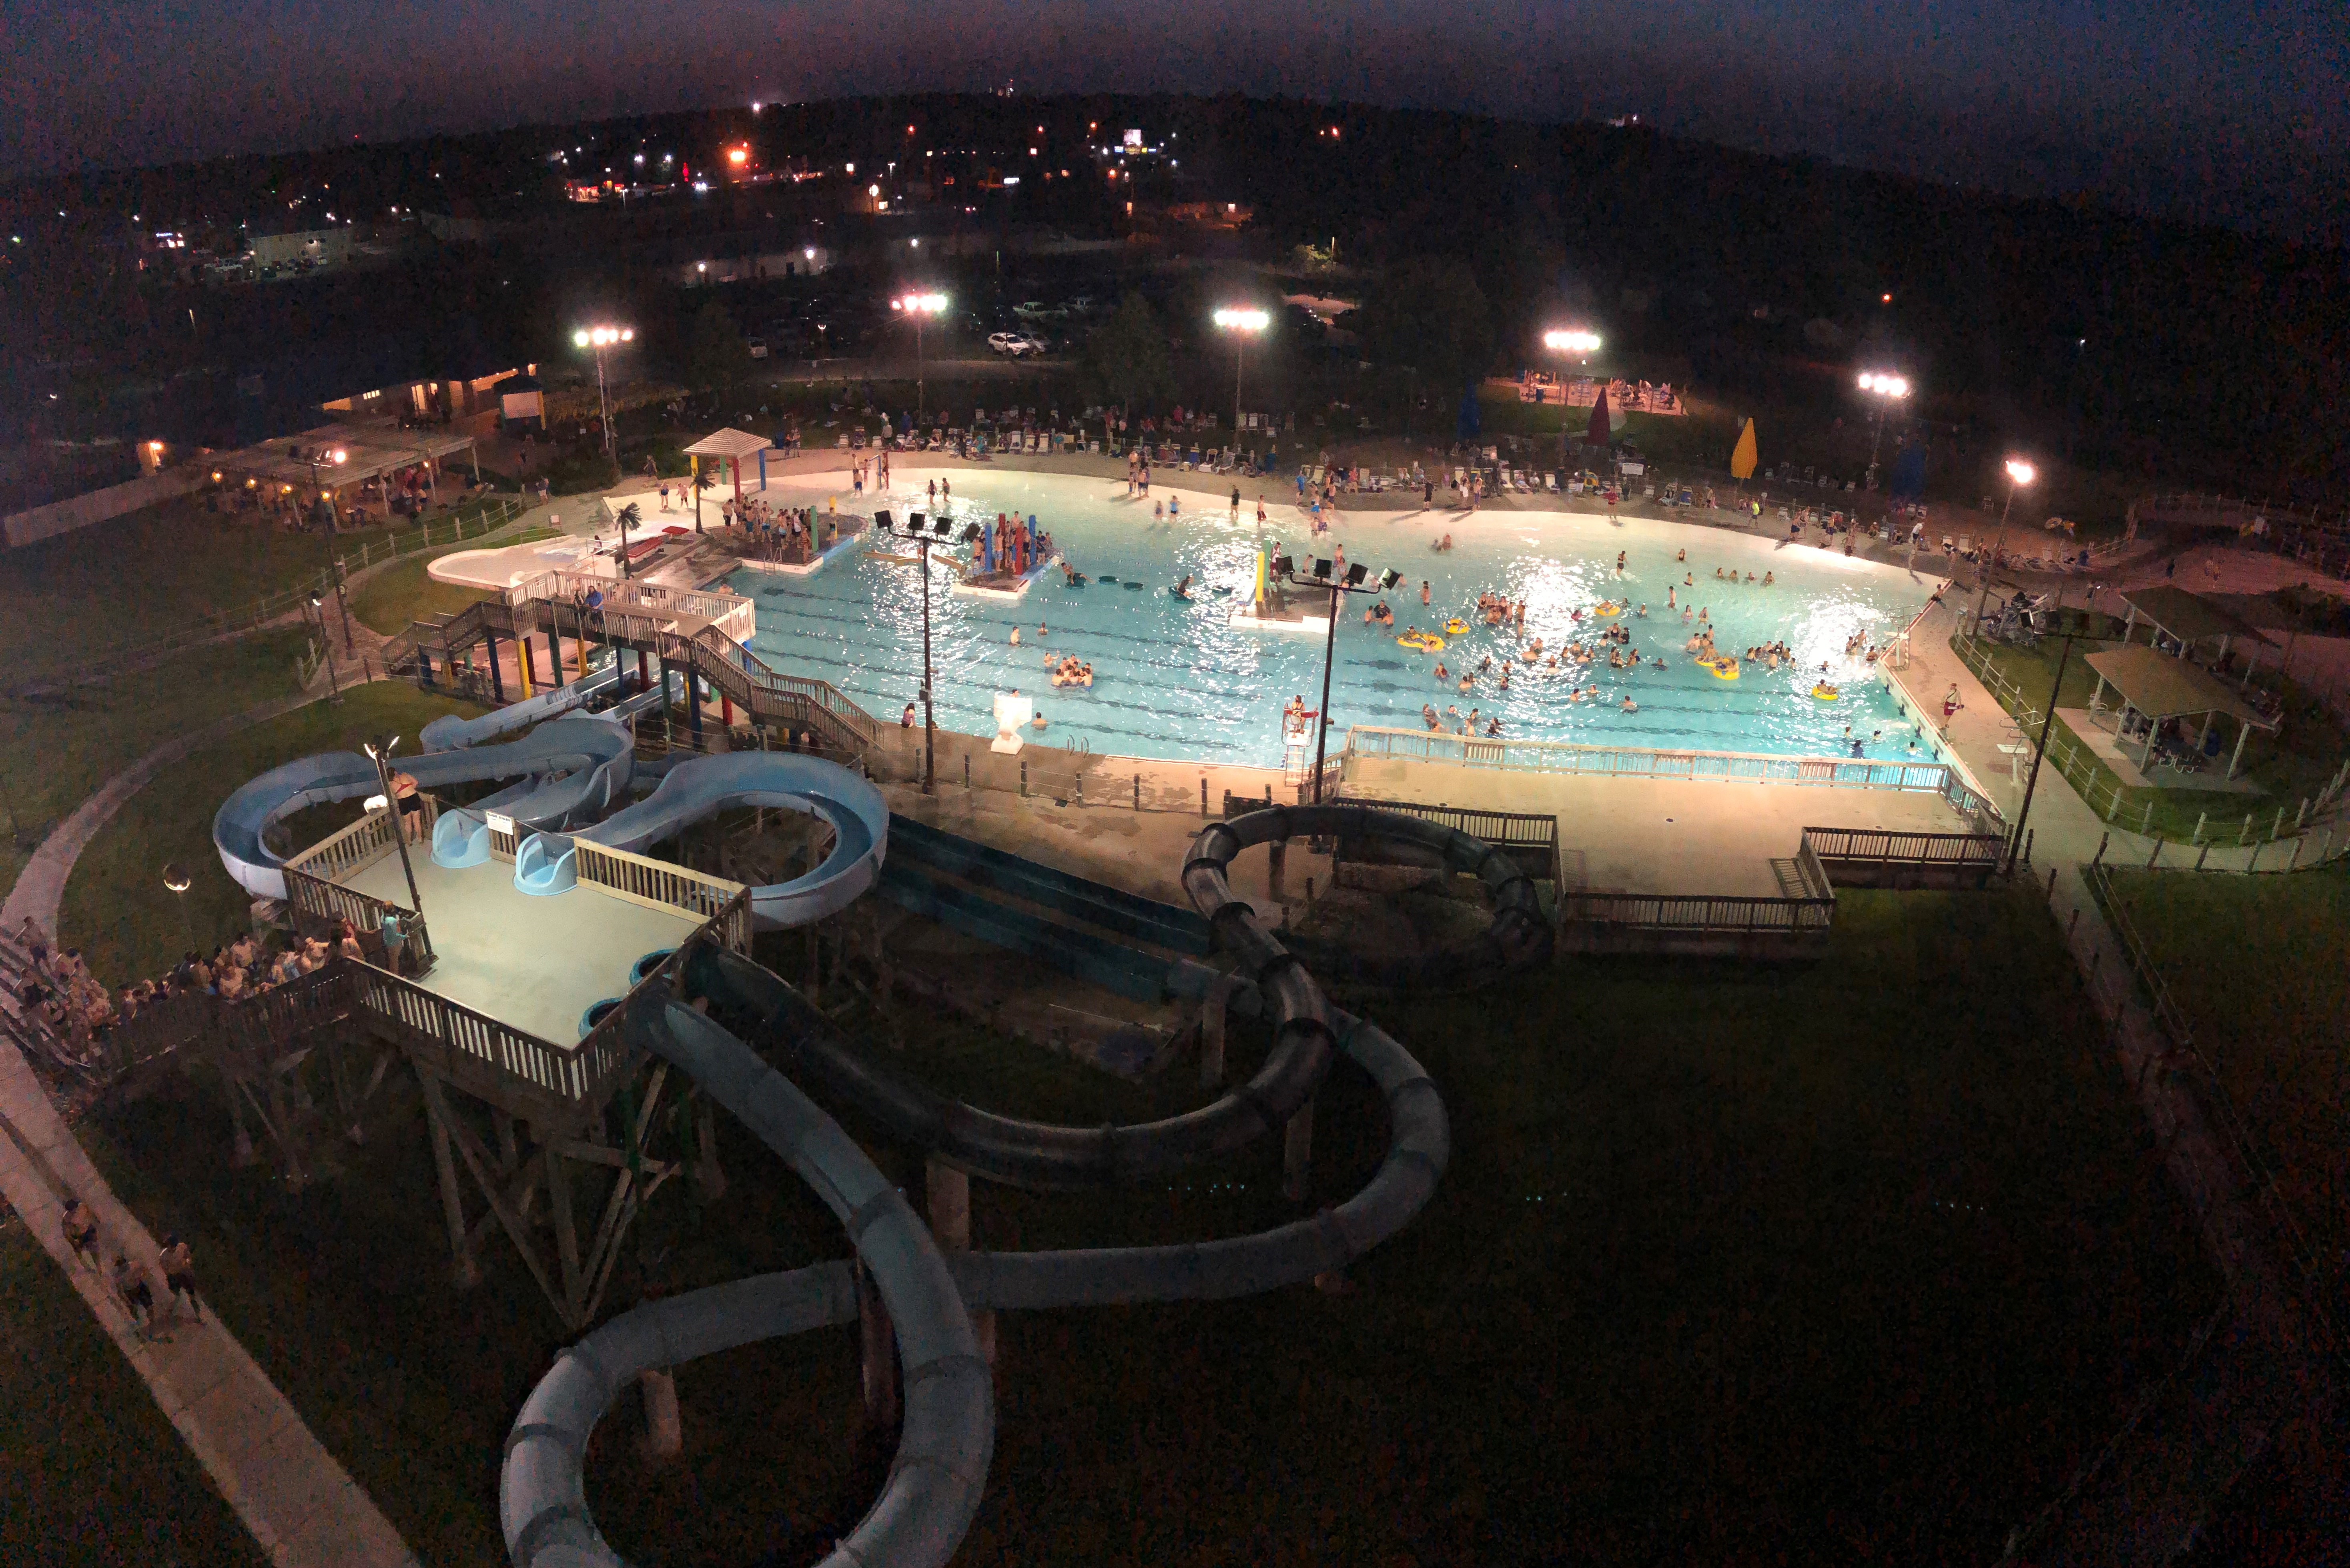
x=1884, y=389
x=600, y=339
x=2040, y=750
x=1572, y=340
x=321, y=459
x=327, y=649
x=380, y=754
x=1319, y=575
x=2019, y=475
x=924, y=532
x=176, y=878
x=1243, y=324
x=920, y=308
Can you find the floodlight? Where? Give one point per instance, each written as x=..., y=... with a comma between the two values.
x=2018, y=470
x=881, y=521
x=1284, y=566
x=1355, y=576
x=1388, y=579
x=1321, y=571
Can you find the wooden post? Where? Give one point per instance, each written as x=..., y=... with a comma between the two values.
x=664, y=1432
x=566, y=1235
x=950, y=1214
x=241, y=1141
x=1276, y=862
x=712, y=1175
x=452, y=1208
x=880, y=1353
x=1297, y=1154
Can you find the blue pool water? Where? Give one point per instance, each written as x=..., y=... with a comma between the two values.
x=1172, y=681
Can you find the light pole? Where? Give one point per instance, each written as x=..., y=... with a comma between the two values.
x=176, y=878
x=342, y=603
x=1885, y=388
x=2032, y=781
x=379, y=753
x=941, y=530
x=319, y=460
x=1337, y=588
x=920, y=306
x=1243, y=324
x=600, y=339
x=2019, y=475
x=327, y=647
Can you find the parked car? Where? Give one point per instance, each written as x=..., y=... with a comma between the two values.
x=1037, y=310
x=1019, y=344
x=758, y=347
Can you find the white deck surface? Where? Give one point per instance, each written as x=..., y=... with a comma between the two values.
x=533, y=963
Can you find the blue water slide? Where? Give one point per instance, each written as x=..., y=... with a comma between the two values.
x=574, y=769
x=449, y=732
x=785, y=781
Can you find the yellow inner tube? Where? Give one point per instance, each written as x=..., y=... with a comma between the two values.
x=1825, y=693
x=1725, y=669
x=1457, y=627
x=1426, y=641
x=1605, y=609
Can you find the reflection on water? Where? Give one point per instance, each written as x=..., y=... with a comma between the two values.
x=1172, y=679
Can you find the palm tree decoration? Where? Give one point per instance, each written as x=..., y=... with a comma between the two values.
x=628, y=516
x=702, y=479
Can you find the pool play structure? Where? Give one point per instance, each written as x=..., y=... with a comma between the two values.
x=751, y=1045
x=1201, y=679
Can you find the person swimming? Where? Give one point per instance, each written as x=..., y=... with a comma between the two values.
x=1183, y=589
x=1766, y=579
x=1629, y=706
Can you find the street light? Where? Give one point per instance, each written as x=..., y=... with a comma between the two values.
x=920, y=308
x=380, y=754
x=600, y=339
x=327, y=645
x=1352, y=583
x=941, y=530
x=1886, y=388
x=176, y=878
x=319, y=459
x=1243, y=324
x=2019, y=475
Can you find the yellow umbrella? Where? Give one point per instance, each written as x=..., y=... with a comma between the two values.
x=1741, y=456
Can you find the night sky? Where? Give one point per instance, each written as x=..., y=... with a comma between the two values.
x=2238, y=108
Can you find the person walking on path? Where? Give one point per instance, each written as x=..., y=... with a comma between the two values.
x=138, y=1296
x=180, y=1275
x=81, y=1232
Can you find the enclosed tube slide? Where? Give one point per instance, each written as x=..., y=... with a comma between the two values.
x=934, y=1489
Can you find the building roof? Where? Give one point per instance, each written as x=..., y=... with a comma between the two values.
x=730, y=442
x=369, y=450
x=2190, y=617
x=2163, y=687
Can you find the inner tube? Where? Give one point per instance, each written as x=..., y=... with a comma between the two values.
x=1825, y=693
x=1457, y=627
x=1131, y=587
x=1425, y=641
x=1604, y=609
x=1725, y=669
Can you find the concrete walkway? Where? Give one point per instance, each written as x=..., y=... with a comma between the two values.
x=300, y=1504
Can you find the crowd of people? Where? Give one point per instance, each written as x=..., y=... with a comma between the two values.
x=57, y=987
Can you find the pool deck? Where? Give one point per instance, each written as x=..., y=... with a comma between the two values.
x=535, y=964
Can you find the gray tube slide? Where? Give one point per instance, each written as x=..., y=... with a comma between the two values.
x=543, y=1501
x=584, y=761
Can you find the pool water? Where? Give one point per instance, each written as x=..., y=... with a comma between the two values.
x=1172, y=681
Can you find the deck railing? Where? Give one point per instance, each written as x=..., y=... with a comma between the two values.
x=1888, y=845
x=657, y=884
x=1627, y=762
x=355, y=848
x=1699, y=912
x=604, y=1053
x=330, y=903
x=464, y=1039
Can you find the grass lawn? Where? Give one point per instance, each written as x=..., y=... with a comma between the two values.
x=115, y=908
x=403, y=592
x=55, y=748
x=2255, y=963
x=142, y=576
x=91, y=1474
x=2290, y=766
x=1731, y=1264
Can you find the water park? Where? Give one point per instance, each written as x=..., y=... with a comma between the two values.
x=670, y=871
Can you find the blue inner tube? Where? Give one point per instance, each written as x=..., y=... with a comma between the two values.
x=595, y=1014
x=646, y=965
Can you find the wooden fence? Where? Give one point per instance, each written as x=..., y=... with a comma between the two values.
x=658, y=884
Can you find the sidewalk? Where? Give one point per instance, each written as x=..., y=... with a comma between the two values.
x=300, y=1504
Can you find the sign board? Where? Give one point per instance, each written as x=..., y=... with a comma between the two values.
x=1134, y=138
x=499, y=823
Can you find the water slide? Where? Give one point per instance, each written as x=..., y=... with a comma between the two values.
x=572, y=768
x=935, y=1485
x=698, y=786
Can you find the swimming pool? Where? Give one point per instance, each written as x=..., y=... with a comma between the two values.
x=1173, y=681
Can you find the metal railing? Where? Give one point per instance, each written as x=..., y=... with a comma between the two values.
x=1626, y=762
x=465, y=1041
x=1889, y=846
x=1697, y=913
x=604, y=1053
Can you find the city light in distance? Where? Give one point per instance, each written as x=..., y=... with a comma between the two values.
x=1883, y=385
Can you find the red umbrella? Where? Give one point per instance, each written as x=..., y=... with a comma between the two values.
x=1598, y=434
